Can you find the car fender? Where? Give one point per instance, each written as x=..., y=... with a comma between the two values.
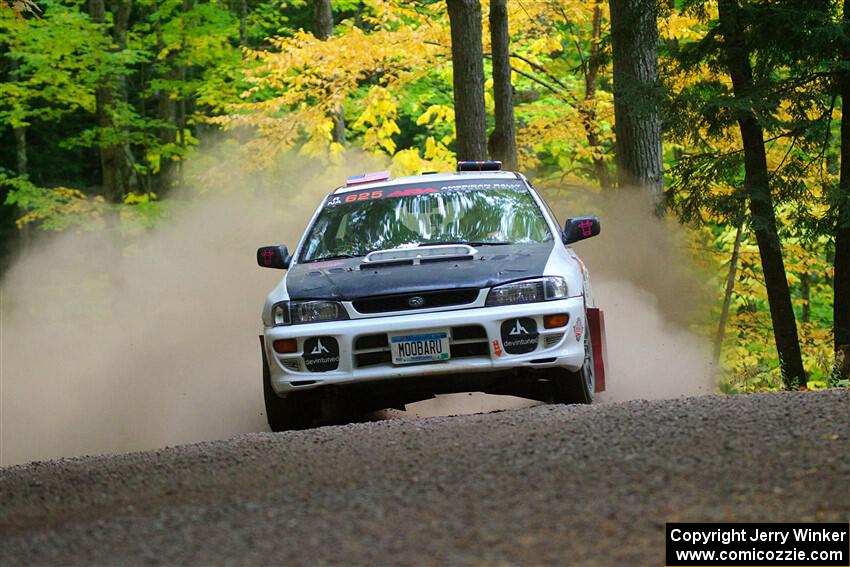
x=277, y=295
x=563, y=263
x=596, y=327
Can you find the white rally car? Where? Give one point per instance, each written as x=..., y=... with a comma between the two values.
x=401, y=289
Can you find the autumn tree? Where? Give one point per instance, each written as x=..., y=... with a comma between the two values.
x=752, y=99
x=323, y=27
x=592, y=66
x=634, y=36
x=502, y=142
x=561, y=56
x=468, y=79
x=841, y=278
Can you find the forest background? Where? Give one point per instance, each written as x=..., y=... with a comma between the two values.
x=107, y=107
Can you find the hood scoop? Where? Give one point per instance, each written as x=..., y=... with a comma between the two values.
x=418, y=255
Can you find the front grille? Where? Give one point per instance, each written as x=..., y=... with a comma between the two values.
x=370, y=350
x=464, y=341
x=402, y=302
x=469, y=332
x=470, y=349
x=361, y=360
x=370, y=341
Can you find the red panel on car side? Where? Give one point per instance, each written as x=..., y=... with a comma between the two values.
x=596, y=324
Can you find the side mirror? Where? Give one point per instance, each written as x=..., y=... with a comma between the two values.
x=580, y=228
x=273, y=257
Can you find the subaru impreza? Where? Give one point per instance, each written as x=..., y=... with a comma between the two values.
x=402, y=289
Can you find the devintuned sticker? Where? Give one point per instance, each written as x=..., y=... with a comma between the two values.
x=519, y=335
x=321, y=354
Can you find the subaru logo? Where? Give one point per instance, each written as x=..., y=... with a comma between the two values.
x=416, y=301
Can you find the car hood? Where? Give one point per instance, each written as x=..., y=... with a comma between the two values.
x=344, y=280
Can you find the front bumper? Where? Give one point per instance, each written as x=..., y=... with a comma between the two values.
x=476, y=345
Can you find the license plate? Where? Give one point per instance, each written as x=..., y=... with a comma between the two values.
x=420, y=347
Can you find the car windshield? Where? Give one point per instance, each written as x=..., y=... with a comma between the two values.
x=399, y=217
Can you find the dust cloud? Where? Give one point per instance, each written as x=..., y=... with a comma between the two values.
x=112, y=343
x=650, y=292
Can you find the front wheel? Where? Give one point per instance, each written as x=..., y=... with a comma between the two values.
x=299, y=410
x=575, y=387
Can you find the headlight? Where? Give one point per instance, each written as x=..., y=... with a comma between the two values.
x=528, y=291
x=296, y=312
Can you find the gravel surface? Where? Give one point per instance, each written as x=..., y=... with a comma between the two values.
x=586, y=485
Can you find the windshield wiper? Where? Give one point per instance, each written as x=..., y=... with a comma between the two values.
x=442, y=243
x=467, y=242
x=334, y=257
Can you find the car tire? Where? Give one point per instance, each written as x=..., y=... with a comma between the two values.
x=299, y=410
x=575, y=387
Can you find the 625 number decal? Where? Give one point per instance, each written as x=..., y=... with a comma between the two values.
x=366, y=196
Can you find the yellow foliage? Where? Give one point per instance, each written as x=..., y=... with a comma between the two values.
x=64, y=203
x=139, y=198
x=301, y=80
x=436, y=157
x=378, y=120
x=683, y=26
x=437, y=114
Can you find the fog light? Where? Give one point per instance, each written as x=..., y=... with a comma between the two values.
x=555, y=321
x=285, y=346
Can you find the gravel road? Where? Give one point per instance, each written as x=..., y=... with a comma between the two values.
x=584, y=485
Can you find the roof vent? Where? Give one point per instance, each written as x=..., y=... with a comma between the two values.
x=479, y=166
x=367, y=178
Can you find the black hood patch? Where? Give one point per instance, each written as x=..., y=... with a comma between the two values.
x=344, y=280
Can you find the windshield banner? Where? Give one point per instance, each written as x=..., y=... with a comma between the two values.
x=414, y=189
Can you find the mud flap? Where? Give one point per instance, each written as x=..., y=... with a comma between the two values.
x=596, y=325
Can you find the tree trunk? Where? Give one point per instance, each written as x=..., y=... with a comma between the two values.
x=841, y=282
x=166, y=110
x=126, y=172
x=323, y=19
x=243, y=23
x=20, y=132
x=806, y=296
x=21, y=161
x=637, y=121
x=21, y=168
x=181, y=118
x=757, y=185
x=114, y=164
x=502, y=142
x=167, y=113
x=323, y=28
x=727, y=296
x=181, y=129
x=468, y=79
x=588, y=112
x=104, y=103
x=121, y=20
